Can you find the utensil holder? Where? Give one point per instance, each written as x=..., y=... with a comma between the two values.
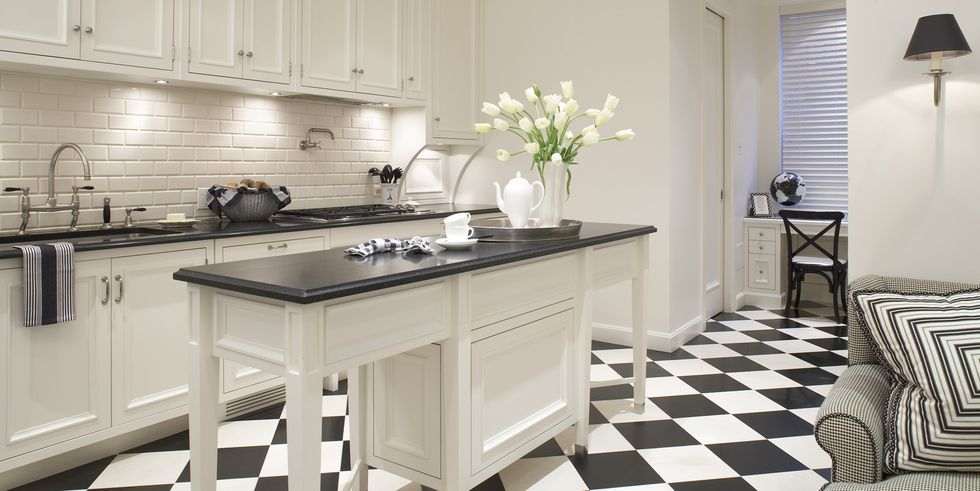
x=389, y=193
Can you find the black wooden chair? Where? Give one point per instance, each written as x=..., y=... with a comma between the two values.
x=828, y=264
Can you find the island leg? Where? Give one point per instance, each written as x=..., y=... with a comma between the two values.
x=456, y=360
x=640, y=319
x=203, y=418
x=584, y=351
x=356, y=387
x=304, y=397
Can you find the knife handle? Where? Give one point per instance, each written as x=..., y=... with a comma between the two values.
x=106, y=211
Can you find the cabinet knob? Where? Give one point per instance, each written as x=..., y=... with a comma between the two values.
x=353, y=70
x=437, y=119
x=88, y=30
x=250, y=54
x=280, y=246
x=360, y=71
x=241, y=52
x=76, y=28
x=411, y=79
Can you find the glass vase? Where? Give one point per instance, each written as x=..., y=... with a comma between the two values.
x=555, y=180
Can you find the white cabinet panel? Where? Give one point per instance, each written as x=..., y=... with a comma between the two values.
x=43, y=27
x=407, y=409
x=149, y=333
x=328, y=44
x=762, y=272
x=379, y=47
x=272, y=248
x=456, y=57
x=267, y=40
x=129, y=32
x=54, y=380
x=416, y=22
x=522, y=383
x=215, y=37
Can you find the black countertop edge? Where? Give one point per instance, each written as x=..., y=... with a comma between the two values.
x=378, y=283
x=210, y=229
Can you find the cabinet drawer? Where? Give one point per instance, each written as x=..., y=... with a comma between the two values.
x=762, y=247
x=271, y=248
x=760, y=233
x=503, y=293
x=761, y=272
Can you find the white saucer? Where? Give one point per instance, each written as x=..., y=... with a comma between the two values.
x=457, y=244
x=187, y=222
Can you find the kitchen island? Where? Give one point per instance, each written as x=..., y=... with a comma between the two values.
x=458, y=363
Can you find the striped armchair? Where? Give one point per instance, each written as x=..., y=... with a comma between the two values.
x=850, y=423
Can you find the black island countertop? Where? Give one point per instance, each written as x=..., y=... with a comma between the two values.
x=322, y=275
x=209, y=229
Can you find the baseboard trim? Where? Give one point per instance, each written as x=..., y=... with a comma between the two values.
x=764, y=300
x=657, y=341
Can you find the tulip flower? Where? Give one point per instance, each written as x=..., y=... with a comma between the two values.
x=561, y=117
x=526, y=124
x=592, y=112
x=589, y=129
x=482, y=128
x=491, y=109
x=624, y=135
x=510, y=105
x=532, y=148
x=500, y=124
x=503, y=155
x=590, y=138
x=612, y=102
x=551, y=102
x=531, y=94
x=603, y=117
x=542, y=123
x=556, y=157
x=567, y=89
x=571, y=106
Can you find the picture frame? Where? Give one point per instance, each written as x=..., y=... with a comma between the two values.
x=759, y=205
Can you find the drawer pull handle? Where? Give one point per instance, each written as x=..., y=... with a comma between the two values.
x=280, y=246
x=106, y=293
x=119, y=297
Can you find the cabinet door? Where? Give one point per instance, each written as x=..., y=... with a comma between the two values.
x=216, y=37
x=267, y=40
x=328, y=44
x=40, y=27
x=149, y=333
x=54, y=380
x=522, y=382
x=379, y=43
x=456, y=60
x=129, y=32
x=416, y=15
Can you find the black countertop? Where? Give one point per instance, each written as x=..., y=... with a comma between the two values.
x=322, y=275
x=216, y=229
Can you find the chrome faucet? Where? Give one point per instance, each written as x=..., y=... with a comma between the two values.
x=52, y=203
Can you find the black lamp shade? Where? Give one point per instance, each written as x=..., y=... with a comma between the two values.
x=937, y=34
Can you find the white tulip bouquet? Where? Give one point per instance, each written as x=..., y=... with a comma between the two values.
x=545, y=126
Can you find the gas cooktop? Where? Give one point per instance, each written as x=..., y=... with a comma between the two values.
x=350, y=212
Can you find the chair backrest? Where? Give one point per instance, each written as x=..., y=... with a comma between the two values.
x=833, y=217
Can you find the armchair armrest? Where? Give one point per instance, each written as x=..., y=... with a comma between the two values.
x=850, y=424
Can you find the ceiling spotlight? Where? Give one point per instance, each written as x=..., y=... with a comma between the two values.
x=162, y=82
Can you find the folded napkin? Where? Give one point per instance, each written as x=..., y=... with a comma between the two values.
x=221, y=196
x=49, y=283
x=415, y=245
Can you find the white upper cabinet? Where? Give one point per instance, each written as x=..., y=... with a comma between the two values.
x=379, y=47
x=241, y=39
x=42, y=27
x=54, y=380
x=267, y=40
x=416, y=27
x=328, y=44
x=129, y=32
x=216, y=37
x=456, y=68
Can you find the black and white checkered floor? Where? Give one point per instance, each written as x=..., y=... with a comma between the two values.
x=733, y=410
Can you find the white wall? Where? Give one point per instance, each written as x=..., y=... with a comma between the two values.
x=913, y=168
x=648, y=54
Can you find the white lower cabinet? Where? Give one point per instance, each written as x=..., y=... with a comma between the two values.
x=54, y=380
x=149, y=328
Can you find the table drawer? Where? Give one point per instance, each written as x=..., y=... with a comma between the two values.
x=506, y=292
x=761, y=272
x=272, y=248
x=760, y=233
x=762, y=247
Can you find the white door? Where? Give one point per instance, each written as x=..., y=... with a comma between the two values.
x=129, y=32
x=379, y=47
x=149, y=333
x=417, y=35
x=54, y=380
x=267, y=38
x=454, y=48
x=216, y=37
x=40, y=27
x=713, y=161
x=328, y=44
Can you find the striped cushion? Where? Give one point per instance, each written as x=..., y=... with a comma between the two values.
x=931, y=346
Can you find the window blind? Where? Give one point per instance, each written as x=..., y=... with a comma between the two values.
x=813, y=105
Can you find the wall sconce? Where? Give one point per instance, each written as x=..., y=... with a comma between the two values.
x=937, y=37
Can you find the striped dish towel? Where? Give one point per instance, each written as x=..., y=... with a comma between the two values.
x=49, y=283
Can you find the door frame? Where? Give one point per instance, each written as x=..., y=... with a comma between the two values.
x=729, y=280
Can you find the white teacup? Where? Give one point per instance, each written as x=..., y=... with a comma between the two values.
x=176, y=217
x=461, y=219
x=458, y=233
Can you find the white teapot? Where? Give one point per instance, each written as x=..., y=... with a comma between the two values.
x=517, y=199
